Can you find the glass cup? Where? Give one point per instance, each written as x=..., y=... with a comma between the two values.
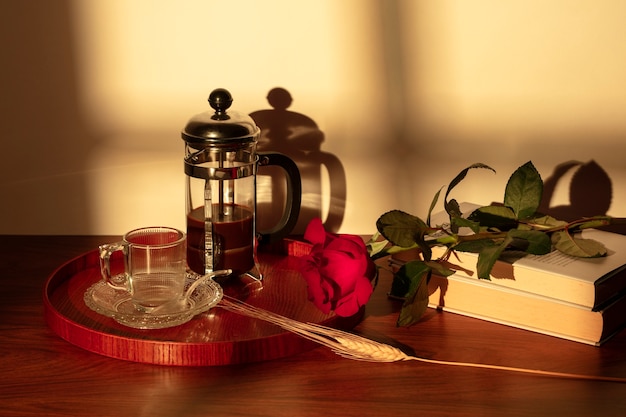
x=154, y=266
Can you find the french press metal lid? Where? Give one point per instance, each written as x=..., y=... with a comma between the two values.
x=220, y=127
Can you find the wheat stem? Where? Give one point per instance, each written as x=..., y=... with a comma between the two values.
x=352, y=346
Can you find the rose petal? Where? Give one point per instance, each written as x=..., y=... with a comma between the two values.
x=315, y=232
x=351, y=304
x=348, y=245
x=341, y=266
x=338, y=271
x=317, y=290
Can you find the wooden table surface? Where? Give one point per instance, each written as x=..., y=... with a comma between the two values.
x=43, y=375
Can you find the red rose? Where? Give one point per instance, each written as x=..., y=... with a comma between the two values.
x=338, y=271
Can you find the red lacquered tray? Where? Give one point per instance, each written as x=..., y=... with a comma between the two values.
x=217, y=337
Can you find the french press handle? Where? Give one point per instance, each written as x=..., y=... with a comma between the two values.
x=293, y=199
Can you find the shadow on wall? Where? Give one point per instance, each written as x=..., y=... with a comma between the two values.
x=590, y=193
x=297, y=136
x=45, y=140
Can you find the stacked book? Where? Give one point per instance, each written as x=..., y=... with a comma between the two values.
x=580, y=299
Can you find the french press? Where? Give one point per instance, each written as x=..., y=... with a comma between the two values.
x=221, y=163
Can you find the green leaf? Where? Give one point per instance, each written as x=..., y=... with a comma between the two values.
x=595, y=222
x=400, y=285
x=475, y=246
x=463, y=222
x=402, y=229
x=452, y=206
x=433, y=203
x=461, y=175
x=499, y=217
x=376, y=248
x=397, y=249
x=574, y=246
x=454, y=212
x=524, y=190
x=543, y=223
x=531, y=241
x=407, y=277
x=412, y=311
x=413, y=275
x=488, y=256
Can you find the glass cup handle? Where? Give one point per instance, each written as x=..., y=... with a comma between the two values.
x=294, y=195
x=106, y=251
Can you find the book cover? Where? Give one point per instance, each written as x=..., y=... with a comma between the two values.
x=550, y=316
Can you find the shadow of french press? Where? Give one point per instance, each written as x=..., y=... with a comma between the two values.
x=297, y=136
x=590, y=193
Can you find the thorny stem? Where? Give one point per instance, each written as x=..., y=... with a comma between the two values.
x=451, y=240
x=585, y=222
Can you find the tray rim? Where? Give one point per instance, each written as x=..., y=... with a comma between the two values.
x=168, y=352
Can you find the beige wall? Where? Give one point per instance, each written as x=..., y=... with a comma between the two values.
x=405, y=93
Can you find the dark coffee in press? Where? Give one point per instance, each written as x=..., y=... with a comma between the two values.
x=233, y=237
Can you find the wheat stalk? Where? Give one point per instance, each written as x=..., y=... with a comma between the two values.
x=352, y=346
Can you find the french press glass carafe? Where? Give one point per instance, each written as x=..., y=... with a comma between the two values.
x=220, y=166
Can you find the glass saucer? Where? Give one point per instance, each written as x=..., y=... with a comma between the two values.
x=118, y=305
